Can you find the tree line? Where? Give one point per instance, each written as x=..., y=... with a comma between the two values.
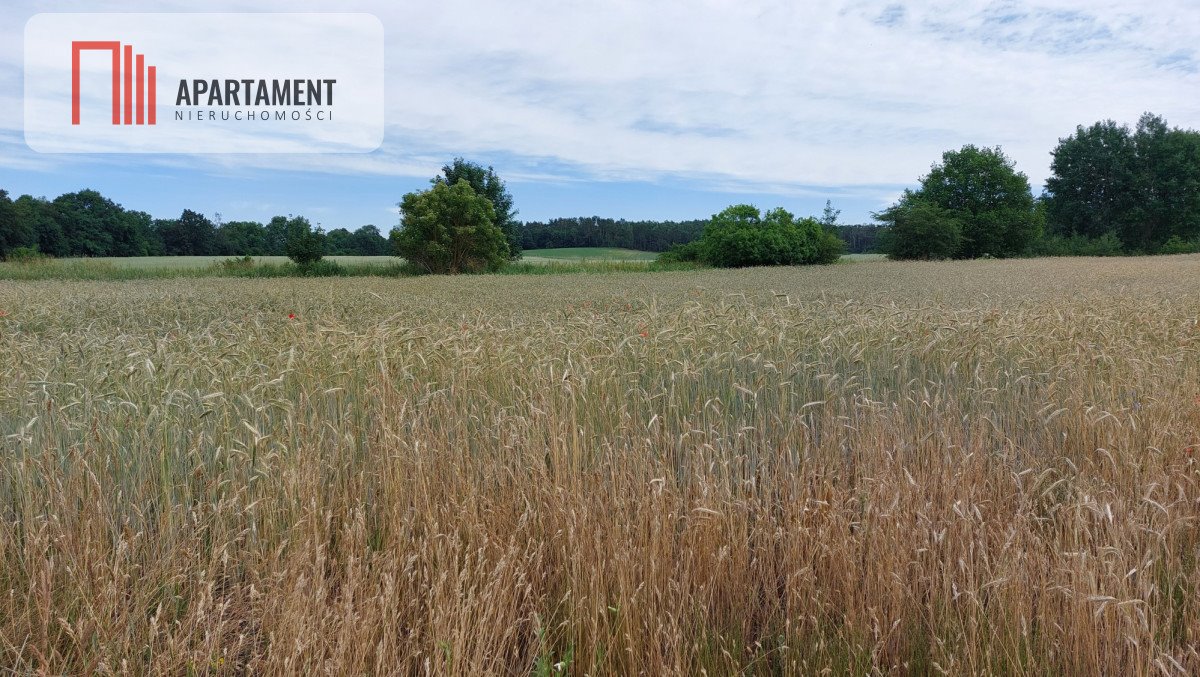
x=656, y=236
x=1138, y=186
x=596, y=231
x=85, y=223
x=1113, y=190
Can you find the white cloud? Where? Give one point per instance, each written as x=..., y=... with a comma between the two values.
x=771, y=95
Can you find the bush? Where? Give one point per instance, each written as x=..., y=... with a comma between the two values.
x=237, y=264
x=681, y=253
x=320, y=268
x=26, y=255
x=742, y=236
x=830, y=247
x=1078, y=245
x=1106, y=245
x=920, y=230
x=1178, y=245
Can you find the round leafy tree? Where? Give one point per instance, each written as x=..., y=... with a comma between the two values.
x=449, y=229
x=485, y=182
x=304, y=245
x=992, y=202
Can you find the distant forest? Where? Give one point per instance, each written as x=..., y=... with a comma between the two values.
x=650, y=236
x=860, y=239
x=86, y=223
x=594, y=231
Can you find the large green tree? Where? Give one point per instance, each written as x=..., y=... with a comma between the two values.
x=89, y=223
x=42, y=218
x=991, y=200
x=449, y=229
x=192, y=234
x=1141, y=185
x=14, y=232
x=1166, y=187
x=1091, y=188
x=485, y=182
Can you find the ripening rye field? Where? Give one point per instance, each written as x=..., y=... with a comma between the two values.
x=977, y=467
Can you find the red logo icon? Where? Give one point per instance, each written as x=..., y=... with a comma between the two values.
x=145, y=91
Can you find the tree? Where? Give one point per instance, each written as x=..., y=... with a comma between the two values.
x=449, y=229
x=368, y=241
x=742, y=236
x=192, y=234
x=88, y=221
x=486, y=183
x=988, y=197
x=920, y=229
x=135, y=236
x=1091, y=188
x=831, y=246
x=829, y=215
x=340, y=242
x=1166, y=195
x=14, y=232
x=1140, y=185
x=42, y=218
x=275, y=236
x=305, y=244
x=162, y=229
x=244, y=238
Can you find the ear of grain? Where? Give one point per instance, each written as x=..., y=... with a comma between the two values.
x=870, y=468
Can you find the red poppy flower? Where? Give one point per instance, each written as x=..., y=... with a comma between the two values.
x=291, y=316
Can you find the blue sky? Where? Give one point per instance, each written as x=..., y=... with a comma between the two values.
x=669, y=110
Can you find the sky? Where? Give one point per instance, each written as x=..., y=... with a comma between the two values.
x=643, y=109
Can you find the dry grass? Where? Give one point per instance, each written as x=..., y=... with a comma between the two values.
x=885, y=468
